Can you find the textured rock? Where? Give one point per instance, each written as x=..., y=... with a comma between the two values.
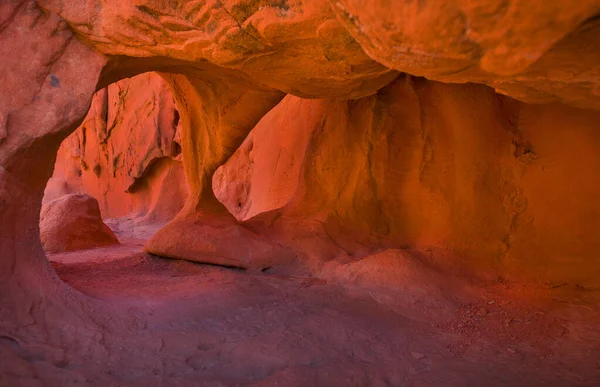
x=73, y=222
x=126, y=152
x=220, y=113
x=257, y=180
x=229, y=62
x=427, y=165
x=455, y=175
x=522, y=48
x=48, y=78
x=219, y=240
x=295, y=46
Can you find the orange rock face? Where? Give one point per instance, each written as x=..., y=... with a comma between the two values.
x=317, y=48
x=220, y=114
x=390, y=147
x=521, y=48
x=231, y=62
x=412, y=167
x=126, y=152
x=248, y=37
x=402, y=173
x=73, y=222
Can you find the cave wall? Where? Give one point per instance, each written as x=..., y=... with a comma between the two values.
x=126, y=153
x=507, y=189
x=48, y=79
x=522, y=48
x=458, y=169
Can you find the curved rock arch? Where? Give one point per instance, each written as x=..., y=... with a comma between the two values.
x=51, y=76
x=52, y=80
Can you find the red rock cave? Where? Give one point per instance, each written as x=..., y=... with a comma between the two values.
x=299, y=193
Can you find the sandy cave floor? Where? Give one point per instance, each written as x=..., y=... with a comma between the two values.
x=213, y=326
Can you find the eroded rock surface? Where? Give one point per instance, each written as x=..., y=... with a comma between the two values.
x=230, y=62
x=522, y=48
x=429, y=165
x=48, y=78
x=221, y=111
x=298, y=47
x=126, y=153
x=393, y=182
x=73, y=222
x=198, y=325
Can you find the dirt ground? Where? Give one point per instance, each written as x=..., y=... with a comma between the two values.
x=202, y=325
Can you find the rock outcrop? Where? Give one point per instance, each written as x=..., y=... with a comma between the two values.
x=298, y=47
x=521, y=48
x=426, y=165
x=356, y=163
x=126, y=153
x=229, y=63
x=48, y=79
x=73, y=222
x=215, y=54
x=220, y=114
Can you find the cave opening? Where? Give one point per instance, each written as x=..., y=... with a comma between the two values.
x=130, y=134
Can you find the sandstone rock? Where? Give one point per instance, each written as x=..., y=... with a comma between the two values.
x=48, y=79
x=247, y=36
x=467, y=180
x=57, y=187
x=125, y=152
x=229, y=62
x=522, y=48
x=73, y=222
x=218, y=240
x=414, y=167
x=254, y=180
x=220, y=113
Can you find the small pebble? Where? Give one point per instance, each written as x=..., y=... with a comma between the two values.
x=482, y=312
x=491, y=302
x=417, y=355
x=510, y=350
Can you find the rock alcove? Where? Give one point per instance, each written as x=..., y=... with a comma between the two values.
x=410, y=190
